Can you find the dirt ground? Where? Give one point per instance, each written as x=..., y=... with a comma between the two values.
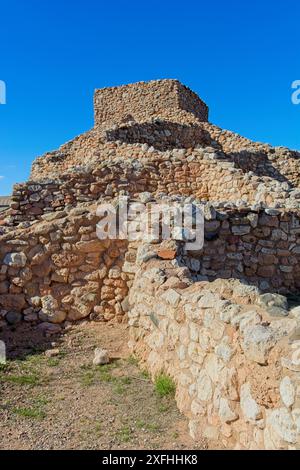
x=64, y=402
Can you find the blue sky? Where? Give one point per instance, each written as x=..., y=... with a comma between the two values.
x=239, y=56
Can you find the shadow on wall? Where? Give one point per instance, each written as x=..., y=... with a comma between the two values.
x=162, y=135
x=258, y=163
x=260, y=248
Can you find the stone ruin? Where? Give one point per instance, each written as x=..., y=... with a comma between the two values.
x=224, y=322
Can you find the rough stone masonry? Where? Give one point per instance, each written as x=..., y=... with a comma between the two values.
x=224, y=322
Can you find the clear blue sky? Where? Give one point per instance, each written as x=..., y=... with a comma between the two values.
x=239, y=56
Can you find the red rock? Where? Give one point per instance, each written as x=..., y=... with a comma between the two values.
x=166, y=254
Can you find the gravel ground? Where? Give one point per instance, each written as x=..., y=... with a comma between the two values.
x=64, y=402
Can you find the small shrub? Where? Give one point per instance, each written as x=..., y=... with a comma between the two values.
x=164, y=385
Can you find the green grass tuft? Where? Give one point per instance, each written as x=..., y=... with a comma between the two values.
x=30, y=379
x=145, y=374
x=105, y=376
x=53, y=362
x=124, y=434
x=126, y=380
x=132, y=361
x=119, y=388
x=88, y=378
x=152, y=427
x=164, y=407
x=29, y=412
x=3, y=367
x=164, y=385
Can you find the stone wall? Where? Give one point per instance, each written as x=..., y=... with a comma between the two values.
x=253, y=159
x=232, y=351
x=161, y=135
x=204, y=173
x=145, y=100
x=68, y=157
x=261, y=246
x=213, y=319
x=59, y=270
x=236, y=368
x=257, y=157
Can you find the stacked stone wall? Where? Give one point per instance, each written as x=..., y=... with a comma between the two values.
x=216, y=320
x=236, y=368
x=62, y=256
x=58, y=270
x=262, y=247
x=204, y=174
x=145, y=100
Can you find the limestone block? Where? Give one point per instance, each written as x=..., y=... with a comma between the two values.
x=287, y=391
x=280, y=426
x=204, y=387
x=250, y=408
x=171, y=297
x=226, y=414
x=100, y=357
x=257, y=342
